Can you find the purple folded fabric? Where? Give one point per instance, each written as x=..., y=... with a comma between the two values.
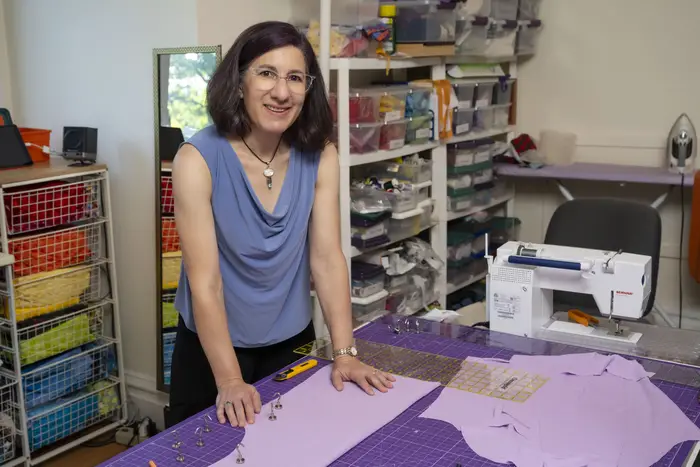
x=334, y=421
x=594, y=411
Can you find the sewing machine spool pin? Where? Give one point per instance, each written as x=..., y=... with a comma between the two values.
x=207, y=419
x=200, y=440
x=272, y=416
x=239, y=457
x=278, y=398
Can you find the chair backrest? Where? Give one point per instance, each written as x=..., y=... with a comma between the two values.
x=606, y=224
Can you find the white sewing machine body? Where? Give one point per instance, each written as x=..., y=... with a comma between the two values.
x=523, y=276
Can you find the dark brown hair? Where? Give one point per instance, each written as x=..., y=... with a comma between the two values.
x=312, y=128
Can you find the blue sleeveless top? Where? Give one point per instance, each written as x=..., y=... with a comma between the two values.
x=263, y=256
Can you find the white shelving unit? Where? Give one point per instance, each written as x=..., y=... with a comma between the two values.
x=61, y=381
x=342, y=69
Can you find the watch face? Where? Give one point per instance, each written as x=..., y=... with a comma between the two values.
x=353, y=351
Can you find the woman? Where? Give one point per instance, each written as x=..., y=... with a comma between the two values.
x=256, y=206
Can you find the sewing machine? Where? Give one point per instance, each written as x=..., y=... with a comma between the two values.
x=523, y=276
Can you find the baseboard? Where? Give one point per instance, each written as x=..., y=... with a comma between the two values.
x=143, y=392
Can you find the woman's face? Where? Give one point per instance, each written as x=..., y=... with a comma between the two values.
x=274, y=88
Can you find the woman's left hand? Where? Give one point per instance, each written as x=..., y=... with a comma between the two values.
x=350, y=369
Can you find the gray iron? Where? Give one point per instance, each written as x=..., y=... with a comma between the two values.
x=682, y=146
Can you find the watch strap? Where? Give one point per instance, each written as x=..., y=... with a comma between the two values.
x=349, y=351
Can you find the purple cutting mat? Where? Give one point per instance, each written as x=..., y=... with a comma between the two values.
x=407, y=440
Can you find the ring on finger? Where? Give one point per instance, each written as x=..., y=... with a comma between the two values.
x=228, y=403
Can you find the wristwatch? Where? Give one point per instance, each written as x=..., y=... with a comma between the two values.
x=351, y=351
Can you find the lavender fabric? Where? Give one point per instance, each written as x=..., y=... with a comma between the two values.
x=317, y=424
x=594, y=411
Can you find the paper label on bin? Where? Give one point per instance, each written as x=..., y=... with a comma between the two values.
x=463, y=128
x=396, y=143
x=423, y=133
x=483, y=102
x=392, y=116
x=464, y=105
x=482, y=156
x=371, y=232
x=464, y=159
x=463, y=205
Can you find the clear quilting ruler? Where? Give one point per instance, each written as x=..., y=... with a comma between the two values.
x=472, y=376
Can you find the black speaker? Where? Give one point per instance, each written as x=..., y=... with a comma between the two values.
x=80, y=144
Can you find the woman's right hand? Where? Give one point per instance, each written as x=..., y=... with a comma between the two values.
x=238, y=401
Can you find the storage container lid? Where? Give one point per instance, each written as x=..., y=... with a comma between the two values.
x=371, y=299
x=362, y=271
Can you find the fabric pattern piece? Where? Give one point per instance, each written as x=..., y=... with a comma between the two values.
x=594, y=411
x=334, y=421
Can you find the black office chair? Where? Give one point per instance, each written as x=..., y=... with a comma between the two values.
x=605, y=224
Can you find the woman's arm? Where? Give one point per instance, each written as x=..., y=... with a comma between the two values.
x=328, y=265
x=195, y=225
x=330, y=273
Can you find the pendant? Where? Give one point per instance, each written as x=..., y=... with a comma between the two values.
x=268, y=173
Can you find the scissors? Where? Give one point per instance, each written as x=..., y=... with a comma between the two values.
x=580, y=317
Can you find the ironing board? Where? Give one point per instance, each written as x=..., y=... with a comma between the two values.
x=599, y=173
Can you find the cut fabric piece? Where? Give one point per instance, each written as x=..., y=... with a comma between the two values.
x=594, y=410
x=334, y=421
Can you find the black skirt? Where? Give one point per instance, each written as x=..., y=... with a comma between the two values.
x=192, y=384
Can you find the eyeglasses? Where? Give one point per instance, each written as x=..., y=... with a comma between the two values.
x=266, y=79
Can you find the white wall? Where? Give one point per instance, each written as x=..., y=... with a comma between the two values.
x=221, y=21
x=86, y=63
x=620, y=89
x=5, y=81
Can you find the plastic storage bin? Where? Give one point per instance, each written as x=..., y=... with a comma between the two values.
x=503, y=91
x=469, y=153
x=471, y=35
x=364, y=137
x=501, y=115
x=363, y=106
x=402, y=201
x=367, y=279
x=424, y=22
x=470, y=169
x=459, y=184
x=504, y=9
x=408, y=172
x=418, y=100
x=483, y=118
x=484, y=93
x=462, y=121
x=423, y=195
x=529, y=9
x=392, y=102
x=368, y=308
x=465, y=91
x=474, y=8
x=527, y=37
x=369, y=232
x=502, y=38
x=419, y=130
x=462, y=202
x=393, y=135
x=401, y=227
